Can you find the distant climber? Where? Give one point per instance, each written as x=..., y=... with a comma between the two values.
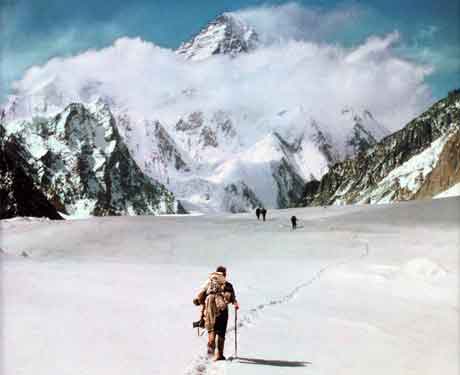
x=214, y=297
x=258, y=213
x=294, y=222
x=263, y=211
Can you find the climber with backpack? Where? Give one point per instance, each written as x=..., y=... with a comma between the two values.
x=214, y=297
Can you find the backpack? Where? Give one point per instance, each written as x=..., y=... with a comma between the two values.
x=215, y=291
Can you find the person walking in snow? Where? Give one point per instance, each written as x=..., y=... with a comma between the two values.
x=263, y=211
x=258, y=213
x=215, y=296
x=294, y=222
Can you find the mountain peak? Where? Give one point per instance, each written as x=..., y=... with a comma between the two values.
x=227, y=35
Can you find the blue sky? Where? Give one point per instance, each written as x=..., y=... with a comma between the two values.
x=34, y=31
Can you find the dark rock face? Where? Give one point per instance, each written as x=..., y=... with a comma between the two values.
x=199, y=136
x=324, y=143
x=310, y=189
x=194, y=121
x=238, y=196
x=352, y=180
x=290, y=184
x=168, y=148
x=360, y=140
x=181, y=209
x=18, y=194
x=84, y=167
x=208, y=138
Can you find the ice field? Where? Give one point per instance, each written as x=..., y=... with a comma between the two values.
x=355, y=290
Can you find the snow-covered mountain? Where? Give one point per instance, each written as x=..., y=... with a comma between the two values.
x=419, y=161
x=212, y=163
x=79, y=161
x=212, y=158
x=225, y=35
x=18, y=194
x=366, y=131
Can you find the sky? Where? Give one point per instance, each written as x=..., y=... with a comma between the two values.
x=32, y=32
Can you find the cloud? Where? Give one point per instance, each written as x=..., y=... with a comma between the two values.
x=319, y=78
x=444, y=59
x=292, y=21
x=26, y=42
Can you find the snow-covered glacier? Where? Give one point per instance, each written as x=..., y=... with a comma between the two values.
x=364, y=289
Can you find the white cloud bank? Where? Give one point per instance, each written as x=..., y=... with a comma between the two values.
x=292, y=21
x=153, y=82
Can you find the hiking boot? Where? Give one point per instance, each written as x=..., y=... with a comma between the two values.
x=220, y=349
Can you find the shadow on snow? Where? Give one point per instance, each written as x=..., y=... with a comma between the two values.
x=271, y=362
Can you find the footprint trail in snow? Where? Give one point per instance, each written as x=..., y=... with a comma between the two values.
x=203, y=365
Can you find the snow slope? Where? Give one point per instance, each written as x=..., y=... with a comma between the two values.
x=355, y=290
x=454, y=191
x=407, y=176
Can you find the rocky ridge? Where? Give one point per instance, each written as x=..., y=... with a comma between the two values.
x=83, y=166
x=19, y=196
x=417, y=161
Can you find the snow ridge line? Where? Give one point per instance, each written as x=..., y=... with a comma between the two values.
x=201, y=364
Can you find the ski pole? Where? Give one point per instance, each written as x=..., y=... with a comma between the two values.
x=236, y=327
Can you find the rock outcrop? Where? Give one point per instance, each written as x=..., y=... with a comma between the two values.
x=446, y=173
x=18, y=194
x=83, y=166
x=415, y=162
